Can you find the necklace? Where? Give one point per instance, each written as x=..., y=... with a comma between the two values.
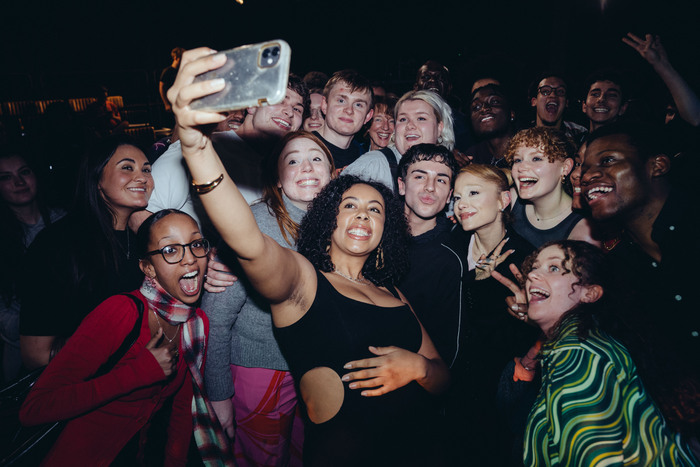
x=360, y=280
x=540, y=219
x=161, y=328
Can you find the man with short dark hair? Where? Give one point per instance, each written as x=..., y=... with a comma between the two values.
x=492, y=122
x=625, y=180
x=605, y=100
x=548, y=96
x=426, y=178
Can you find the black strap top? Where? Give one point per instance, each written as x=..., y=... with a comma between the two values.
x=539, y=237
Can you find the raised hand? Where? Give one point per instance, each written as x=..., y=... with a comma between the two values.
x=517, y=304
x=485, y=266
x=190, y=123
x=393, y=368
x=165, y=357
x=649, y=48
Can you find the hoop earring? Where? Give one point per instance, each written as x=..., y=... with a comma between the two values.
x=379, y=262
x=439, y=140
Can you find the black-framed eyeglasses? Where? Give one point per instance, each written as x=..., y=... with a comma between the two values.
x=547, y=90
x=173, y=254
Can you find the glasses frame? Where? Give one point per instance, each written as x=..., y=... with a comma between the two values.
x=188, y=245
x=553, y=89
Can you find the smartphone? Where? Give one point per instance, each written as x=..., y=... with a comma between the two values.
x=255, y=75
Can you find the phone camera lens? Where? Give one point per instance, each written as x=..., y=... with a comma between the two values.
x=275, y=51
x=266, y=53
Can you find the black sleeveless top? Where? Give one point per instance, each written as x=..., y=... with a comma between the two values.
x=336, y=330
x=539, y=237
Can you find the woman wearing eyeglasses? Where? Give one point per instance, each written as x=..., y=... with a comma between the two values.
x=163, y=366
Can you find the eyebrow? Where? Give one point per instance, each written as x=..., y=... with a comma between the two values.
x=439, y=174
x=128, y=159
x=357, y=199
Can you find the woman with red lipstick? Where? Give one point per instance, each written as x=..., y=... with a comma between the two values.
x=334, y=305
x=541, y=160
x=88, y=255
x=163, y=366
x=247, y=376
x=592, y=408
x=485, y=243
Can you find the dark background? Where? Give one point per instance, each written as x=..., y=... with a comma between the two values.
x=60, y=49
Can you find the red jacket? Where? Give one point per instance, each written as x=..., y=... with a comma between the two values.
x=109, y=410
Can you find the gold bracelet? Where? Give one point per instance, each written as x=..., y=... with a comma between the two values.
x=207, y=187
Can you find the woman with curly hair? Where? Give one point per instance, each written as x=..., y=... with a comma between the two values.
x=246, y=375
x=592, y=408
x=333, y=304
x=541, y=160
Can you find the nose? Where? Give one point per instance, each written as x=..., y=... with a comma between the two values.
x=430, y=185
x=306, y=166
x=315, y=114
x=362, y=214
x=19, y=180
x=188, y=257
x=385, y=125
x=589, y=175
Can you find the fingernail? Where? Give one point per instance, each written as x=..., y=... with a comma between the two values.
x=352, y=385
x=347, y=366
x=507, y=239
x=514, y=308
x=364, y=393
x=217, y=83
x=345, y=378
x=219, y=57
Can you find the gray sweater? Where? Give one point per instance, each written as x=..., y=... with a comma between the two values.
x=240, y=322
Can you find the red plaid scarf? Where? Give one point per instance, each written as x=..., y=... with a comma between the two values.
x=212, y=442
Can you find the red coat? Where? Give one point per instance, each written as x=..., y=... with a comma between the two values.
x=109, y=410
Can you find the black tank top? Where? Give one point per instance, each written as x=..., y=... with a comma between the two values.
x=539, y=237
x=335, y=330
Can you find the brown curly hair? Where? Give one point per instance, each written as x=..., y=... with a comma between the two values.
x=555, y=145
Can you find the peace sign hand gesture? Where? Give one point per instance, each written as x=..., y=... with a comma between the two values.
x=517, y=304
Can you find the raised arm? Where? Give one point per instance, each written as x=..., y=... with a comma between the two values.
x=651, y=49
x=276, y=272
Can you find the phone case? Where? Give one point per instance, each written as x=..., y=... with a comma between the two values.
x=255, y=74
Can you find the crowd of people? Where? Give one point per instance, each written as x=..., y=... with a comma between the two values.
x=352, y=277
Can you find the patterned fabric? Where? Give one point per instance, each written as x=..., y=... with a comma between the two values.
x=269, y=426
x=592, y=409
x=211, y=440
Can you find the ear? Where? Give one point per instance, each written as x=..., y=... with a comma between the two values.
x=402, y=186
x=623, y=108
x=505, y=200
x=660, y=165
x=147, y=268
x=324, y=105
x=533, y=102
x=251, y=110
x=449, y=198
x=512, y=115
x=568, y=166
x=369, y=116
x=584, y=107
x=441, y=126
x=591, y=293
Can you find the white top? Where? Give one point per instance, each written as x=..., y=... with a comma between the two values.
x=373, y=166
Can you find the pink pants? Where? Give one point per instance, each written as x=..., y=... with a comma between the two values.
x=269, y=427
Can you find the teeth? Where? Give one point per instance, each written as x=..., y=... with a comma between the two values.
x=487, y=117
x=601, y=110
x=311, y=182
x=284, y=123
x=359, y=232
x=190, y=274
x=538, y=291
x=383, y=135
x=592, y=193
x=528, y=180
x=577, y=189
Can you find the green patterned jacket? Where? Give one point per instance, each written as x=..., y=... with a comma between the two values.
x=592, y=409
